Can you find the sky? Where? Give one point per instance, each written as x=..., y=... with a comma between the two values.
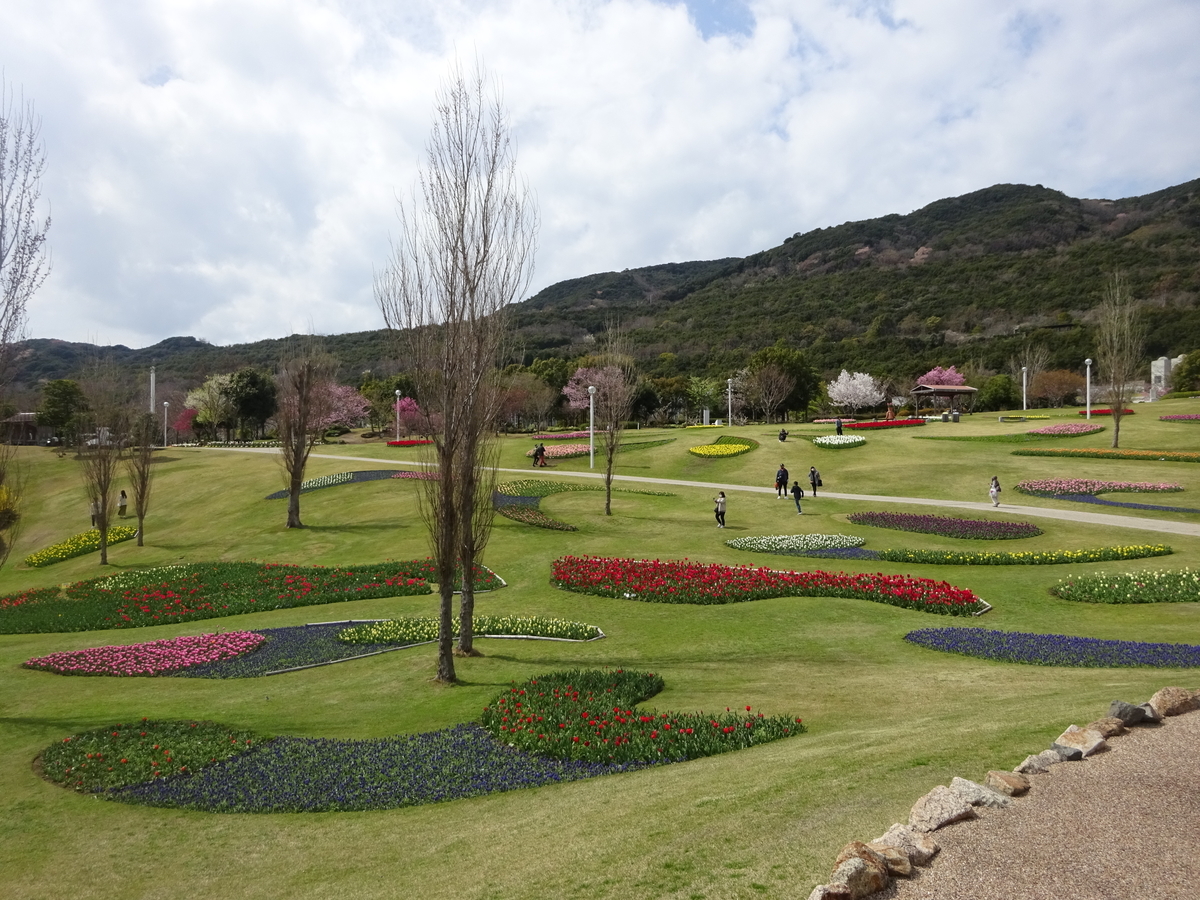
x=231, y=170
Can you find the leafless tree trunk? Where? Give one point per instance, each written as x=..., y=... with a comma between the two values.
x=303, y=376
x=137, y=467
x=1034, y=358
x=1120, y=342
x=615, y=393
x=769, y=385
x=102, y=446
x=464, y=253
x=23, y=264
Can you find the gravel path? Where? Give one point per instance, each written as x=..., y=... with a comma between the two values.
x=1124, y=824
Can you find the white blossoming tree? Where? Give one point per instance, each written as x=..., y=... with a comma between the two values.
x=854, y=391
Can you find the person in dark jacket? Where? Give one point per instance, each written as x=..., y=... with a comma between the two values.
x=781, y=480
x=814, y=478
x=797, y=495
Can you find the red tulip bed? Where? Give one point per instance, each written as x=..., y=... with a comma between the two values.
x=894, y=423
x=684, y=581
x=410, y=443
x=1105, y=412
x=590, y=716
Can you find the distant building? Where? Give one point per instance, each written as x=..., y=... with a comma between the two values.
x=1160, y=374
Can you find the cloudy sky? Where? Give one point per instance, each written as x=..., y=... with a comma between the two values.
x=229, y=170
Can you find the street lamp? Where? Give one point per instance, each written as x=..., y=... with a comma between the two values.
x=1088, y=363
x=1024, y=392
x=729, y=399
x=166, y=415
x=591, y=426
x=397, y=413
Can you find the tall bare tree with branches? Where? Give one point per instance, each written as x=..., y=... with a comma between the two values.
x=465, y=251
x=102, y=445
x=302, y=415
x=1120, y=343
x=138, y=456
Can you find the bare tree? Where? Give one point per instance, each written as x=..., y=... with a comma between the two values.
x=138, y=457
x=23, y=263
x=1034, y=358
x=1056, y=385
x=465, y=251
x=1120, y=343
x=102, y=446
x=767, y=387
x=303, y=413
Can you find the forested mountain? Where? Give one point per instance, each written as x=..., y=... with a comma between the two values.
x=965, y=279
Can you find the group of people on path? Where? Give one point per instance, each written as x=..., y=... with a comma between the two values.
x=539, y=456
x=122, y=506
x=781, y=490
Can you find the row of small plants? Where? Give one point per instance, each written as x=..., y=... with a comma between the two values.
x=1159, y=455
x=839, y=441
x=78, y=545
x=590, y=715
x=1052, y=487
x=195, y=591
x=357, y=477
x=1023, y=558
x=1055, y=649
x=685, y=581
x=947, y=526
x=1167, y=586
x=724, y=447
x=416, y=630
x=795, y=544
x=894, y=423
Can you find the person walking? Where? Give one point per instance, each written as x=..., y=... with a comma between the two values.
x=122, y=504
x=994, y=491
x=814, y=478
x=797, y=495
x=719, y=510
x=539, y=456
x=838, y=424
x=781, y=480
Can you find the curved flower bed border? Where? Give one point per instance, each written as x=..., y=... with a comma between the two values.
x=684, y=581
x=1144, y=455
x=1182, y=417
x=80, y=545
x=1055, y=487
x=1067, y=429
x=839, y=441
x=894, y=423
x=1100, y=501
x=994, y=558
x=1168, y=586
x=1055, y=649
x=947, y=526
x=724, y=447
x=326, y=481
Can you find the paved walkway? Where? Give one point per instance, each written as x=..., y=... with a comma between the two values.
x=1162, y=526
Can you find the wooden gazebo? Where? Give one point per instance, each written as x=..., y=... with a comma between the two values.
x=954, y=394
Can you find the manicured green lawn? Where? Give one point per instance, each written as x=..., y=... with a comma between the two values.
x=887, y=720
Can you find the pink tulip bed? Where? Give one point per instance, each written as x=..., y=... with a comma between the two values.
x=1085, y=490
x=1189, y=417
x=565, y=451
x=561, y=436
x=1143, y=455
x=151, y=658
x=1068, y=429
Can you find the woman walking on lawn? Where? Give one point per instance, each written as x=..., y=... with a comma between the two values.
x=994, y=491
x=719, y=511
x=814, y=478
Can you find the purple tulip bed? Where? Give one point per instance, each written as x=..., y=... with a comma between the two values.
x=1055, y=649
x=947, y=526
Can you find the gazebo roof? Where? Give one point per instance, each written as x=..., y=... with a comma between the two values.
x=946, y=390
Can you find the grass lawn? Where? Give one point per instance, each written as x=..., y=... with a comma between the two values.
x=887, y=720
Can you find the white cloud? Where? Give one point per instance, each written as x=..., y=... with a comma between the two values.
x=229, y=169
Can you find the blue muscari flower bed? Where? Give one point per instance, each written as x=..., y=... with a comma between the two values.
x=835, y=553
x=291, y=774
x=1100, y=501
x=1055, y=649
x=287, y=648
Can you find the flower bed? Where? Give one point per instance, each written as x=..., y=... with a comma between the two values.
x=1025, y=558
x=839, y=441
x=1055, y=649
x=411, y=442
x=562, y=436
x=1100, y=501
x=196, y=591
x=795, y=544
x=894, y=423
x=947, y=526
x=151, y=658
x=1158, y=455
x=1105, y=412
x=1172, y=586
x=590, y=716
x=1067, y=429
x=684, y=581
x=725, y=446
x=518, y=500
x=357, y=477
x=414, y=630
x=564, y=451
x=79, y=545
x=1052, y=487
x=1184, y=417
x=845, y=420
x=527, y=514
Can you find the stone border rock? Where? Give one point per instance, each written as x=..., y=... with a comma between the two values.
x=862, y=869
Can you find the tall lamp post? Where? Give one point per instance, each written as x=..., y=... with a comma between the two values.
x=166, y=415
x=591, y=426
x=1024, y=391
x=1088, y=363
x=397, y=413
x=729, y=400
